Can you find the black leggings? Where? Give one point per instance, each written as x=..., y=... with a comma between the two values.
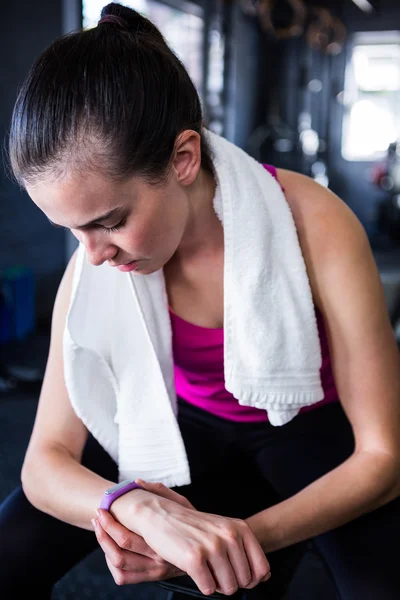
x=237, y=469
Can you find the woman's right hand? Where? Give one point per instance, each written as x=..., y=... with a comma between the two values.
x=128, y=557
x=219, y=553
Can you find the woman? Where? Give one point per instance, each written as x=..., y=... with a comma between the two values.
x=285, y=366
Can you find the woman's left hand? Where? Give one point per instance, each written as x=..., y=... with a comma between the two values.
x=161, y=490
x=124, y=559
x=128, y=557
x=219, y=553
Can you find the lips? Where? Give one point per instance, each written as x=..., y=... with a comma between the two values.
x=128, y=267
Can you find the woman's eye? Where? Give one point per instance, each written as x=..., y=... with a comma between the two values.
x=114, y=229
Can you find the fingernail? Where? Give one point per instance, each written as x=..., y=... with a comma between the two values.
x=94, y=523
x=98, y=513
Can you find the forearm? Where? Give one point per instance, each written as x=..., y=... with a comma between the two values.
x=361, y=484
x=61, y=487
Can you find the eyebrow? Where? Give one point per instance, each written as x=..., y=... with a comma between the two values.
x=92, y=222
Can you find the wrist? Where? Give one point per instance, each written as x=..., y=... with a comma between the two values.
x=266, y=533
x=114, y=492
x=132, y=508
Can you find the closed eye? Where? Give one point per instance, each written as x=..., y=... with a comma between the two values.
x=115, y=228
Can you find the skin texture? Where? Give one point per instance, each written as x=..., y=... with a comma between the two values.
x=151, y=224
x=160, y=225
x=174, y=227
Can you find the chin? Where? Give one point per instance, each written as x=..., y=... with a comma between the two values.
x=148, y=270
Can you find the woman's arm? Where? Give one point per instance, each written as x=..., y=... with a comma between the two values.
x=52, y=477
x=155, y=537
x=347, y=289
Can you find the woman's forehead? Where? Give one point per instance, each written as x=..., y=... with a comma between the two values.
x=77, y=200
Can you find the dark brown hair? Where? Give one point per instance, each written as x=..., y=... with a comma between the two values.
x=111, y=98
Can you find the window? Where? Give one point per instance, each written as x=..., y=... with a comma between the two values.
x=372, y=96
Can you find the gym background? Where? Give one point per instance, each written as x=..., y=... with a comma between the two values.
x=312, y=86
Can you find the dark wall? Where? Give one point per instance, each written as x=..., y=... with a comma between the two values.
x=245, y=82
x=26, y=237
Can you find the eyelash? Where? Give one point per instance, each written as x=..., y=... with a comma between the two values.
x=115, y=229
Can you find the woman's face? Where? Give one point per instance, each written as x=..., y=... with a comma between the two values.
x=131, y=225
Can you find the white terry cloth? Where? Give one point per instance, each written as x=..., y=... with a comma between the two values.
x=118, y=342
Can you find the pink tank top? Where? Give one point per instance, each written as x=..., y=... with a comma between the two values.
x=199, y=369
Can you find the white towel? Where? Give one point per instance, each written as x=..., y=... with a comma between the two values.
x=272, y=351
x=118, y=341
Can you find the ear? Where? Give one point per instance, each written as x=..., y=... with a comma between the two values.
x=187, y=156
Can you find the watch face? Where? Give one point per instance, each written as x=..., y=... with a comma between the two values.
x=117, y=487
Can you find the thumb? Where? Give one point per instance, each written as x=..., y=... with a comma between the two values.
x=162, y=490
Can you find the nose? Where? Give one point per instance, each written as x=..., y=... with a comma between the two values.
x=98, y=252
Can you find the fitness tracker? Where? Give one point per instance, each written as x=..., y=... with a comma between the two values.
x=116, y=491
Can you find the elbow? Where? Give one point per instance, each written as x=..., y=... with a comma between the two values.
x=30, y=484
x=393, y=475
x=385, y=473
x=26, y=481
x=392, y=490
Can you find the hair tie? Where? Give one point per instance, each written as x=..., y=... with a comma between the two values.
x=114, y=20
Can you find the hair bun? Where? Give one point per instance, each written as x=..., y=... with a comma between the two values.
x=127, y=18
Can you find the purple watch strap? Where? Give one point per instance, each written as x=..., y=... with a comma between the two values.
x=118, y=490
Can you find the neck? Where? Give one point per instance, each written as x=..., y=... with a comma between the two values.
x=203, y=232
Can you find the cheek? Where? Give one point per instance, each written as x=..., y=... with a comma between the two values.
x=131, y=240
x=159, y=230
x=144, y=232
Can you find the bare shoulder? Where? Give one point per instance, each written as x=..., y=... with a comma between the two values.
x=318, y=211
x=62, y=302
x=65, y=288
x=56, y=424
x=329, y=231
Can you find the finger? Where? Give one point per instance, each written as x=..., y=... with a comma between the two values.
x=126, y=539
x=162, y=490
x=198, y=569
x=258, y=562
x=147, y=574
x=224, y=575
x=240, y=563
x=119, y=558
x=127, y=567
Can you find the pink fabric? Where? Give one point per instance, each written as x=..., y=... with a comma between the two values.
x=199, y=369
